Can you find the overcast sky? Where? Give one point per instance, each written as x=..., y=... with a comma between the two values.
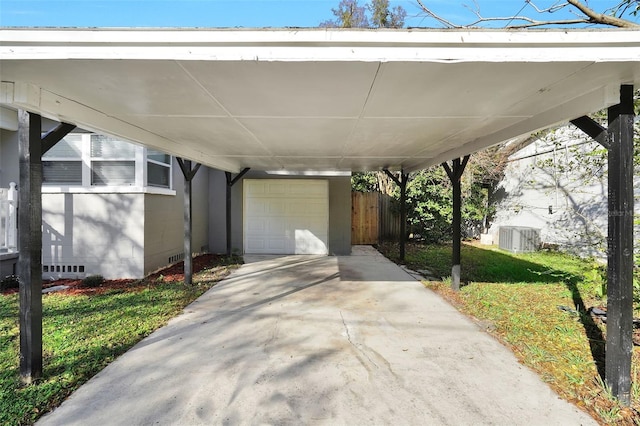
x=236, y=13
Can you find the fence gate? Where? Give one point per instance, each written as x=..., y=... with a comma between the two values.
x=364, y=217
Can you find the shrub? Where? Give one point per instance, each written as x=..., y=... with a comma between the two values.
x=10, y=281
x=93, y=281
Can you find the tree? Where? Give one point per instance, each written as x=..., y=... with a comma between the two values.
x=350, y=14
x=613, y=16
x=383, y=17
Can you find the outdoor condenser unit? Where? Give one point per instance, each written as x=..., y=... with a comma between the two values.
x=519, y=239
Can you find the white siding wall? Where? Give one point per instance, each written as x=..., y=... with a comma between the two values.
x=564, y=199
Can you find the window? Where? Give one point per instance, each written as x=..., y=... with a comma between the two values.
x=97, y=161
x=112, y=162
x=62, y=164
x=158, y=169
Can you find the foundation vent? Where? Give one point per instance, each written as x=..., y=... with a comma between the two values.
x=63, y=269
x=176, y=258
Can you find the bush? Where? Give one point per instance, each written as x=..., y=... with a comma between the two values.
x=93, y=281
x=10, y=281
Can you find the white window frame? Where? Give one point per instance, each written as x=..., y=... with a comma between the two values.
x=168, y=165
x=140, y=174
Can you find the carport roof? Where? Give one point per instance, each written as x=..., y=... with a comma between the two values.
x=315, y=99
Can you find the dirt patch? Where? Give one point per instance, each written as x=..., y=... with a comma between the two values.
x=209, y=266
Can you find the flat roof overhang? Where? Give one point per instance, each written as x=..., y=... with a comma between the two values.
x=315, y=99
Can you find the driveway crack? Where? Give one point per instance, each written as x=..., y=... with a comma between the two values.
x=358, y=347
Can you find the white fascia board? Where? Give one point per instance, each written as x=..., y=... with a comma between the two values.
x=323, y=45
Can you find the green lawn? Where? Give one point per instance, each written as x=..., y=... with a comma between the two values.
x=517, y=298
x=84, y=333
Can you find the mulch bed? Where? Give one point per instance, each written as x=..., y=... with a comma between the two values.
x=169, y=274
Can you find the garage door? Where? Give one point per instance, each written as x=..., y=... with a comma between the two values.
x=286, y=216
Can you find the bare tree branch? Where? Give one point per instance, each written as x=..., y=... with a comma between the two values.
x=590, y=16
x=600, y=18
x=438, y=18
x=530, y=22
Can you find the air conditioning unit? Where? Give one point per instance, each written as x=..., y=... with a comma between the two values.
x=519, y=239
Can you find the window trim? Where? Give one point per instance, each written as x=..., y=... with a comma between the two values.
x=140, y=184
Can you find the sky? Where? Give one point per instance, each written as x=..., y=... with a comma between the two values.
x=239, y=13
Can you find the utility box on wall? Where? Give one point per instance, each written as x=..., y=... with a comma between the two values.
x=519, y=239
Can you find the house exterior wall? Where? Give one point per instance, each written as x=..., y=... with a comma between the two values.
x=546, y=187
x=217, y=211
x=339, y=211
x=121, y=234
x=164, y=221
x=340, y=215
x=103, y=233
x=9, y=160
x=9, y=164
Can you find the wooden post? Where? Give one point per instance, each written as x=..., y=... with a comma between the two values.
x=188, y=222
x=618, y=140
x=619, y=345
x=189, y=174
x=404, y=178
x=402, y=183
x=455, y=176
x=30, y=245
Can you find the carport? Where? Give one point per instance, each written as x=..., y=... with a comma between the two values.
x=299, y=101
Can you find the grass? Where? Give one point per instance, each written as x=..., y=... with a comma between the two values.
x=517, y=298
x=84, y=333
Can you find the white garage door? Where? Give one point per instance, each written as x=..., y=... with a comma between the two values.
x=286, y=216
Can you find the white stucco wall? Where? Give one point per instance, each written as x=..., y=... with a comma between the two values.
x=104, y=233
x=546, y=188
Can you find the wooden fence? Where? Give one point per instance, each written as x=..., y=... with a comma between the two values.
x=372, y=218
x=389, y=220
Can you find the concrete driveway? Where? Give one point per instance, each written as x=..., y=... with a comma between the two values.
x=317, y=340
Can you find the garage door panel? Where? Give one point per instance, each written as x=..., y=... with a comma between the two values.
x=258, y=207
x=276, y=188
x=257, y=226
x=276, y=207
x=315, y=189
x=308, y=243
x=256, y=189
x=277, y=245
x=277, y=227
x=286, y=216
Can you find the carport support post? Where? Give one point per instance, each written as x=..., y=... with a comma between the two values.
x=618, y=139
x=31, y=147
x=455, y=175
x=30, y=246
x=189, y=174
x=402, y=183
x=230, y=183
x=619, y=344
